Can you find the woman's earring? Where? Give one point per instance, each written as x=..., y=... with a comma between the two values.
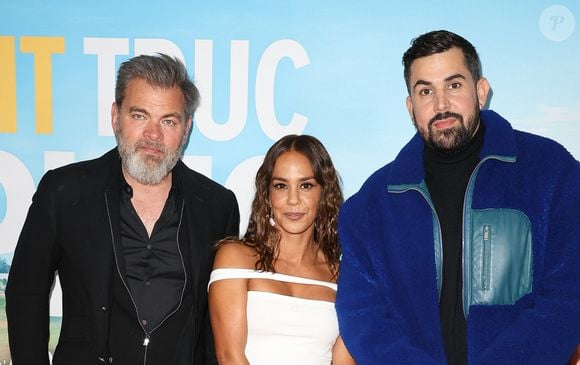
x=271, y=220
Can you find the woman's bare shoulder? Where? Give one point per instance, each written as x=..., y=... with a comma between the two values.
x=235, y=254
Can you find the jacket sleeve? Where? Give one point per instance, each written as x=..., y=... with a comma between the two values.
x=543, y=328
x=30, y=281
x=367, y=324
x=233, y=227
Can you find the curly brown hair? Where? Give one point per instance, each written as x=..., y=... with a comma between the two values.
x=264, y=238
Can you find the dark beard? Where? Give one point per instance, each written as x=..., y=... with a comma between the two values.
x=457, y=138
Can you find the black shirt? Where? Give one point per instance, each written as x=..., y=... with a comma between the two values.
x=165, y=299
x=154, y=270
x=447, y=176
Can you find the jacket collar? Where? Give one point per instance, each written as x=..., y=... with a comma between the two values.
x=189, y=185
x=498, y=141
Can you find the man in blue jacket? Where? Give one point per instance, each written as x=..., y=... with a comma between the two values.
x=465, y=248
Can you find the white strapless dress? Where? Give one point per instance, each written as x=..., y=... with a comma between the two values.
x=284, y=330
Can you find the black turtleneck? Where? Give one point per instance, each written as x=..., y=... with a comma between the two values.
x=446, y=176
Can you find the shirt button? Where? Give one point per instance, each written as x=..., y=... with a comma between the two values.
x=148, y=246
x=144, y=321
x=147, y=283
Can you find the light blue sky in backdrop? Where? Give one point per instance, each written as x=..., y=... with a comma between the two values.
x=352, y=91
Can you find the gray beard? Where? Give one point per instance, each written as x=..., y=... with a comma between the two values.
x=147, y=170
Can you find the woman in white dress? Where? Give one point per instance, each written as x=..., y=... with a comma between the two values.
x=272, y=292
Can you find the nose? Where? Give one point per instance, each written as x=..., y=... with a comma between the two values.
x=152, y=131
x=293, y=196
x=441, y=102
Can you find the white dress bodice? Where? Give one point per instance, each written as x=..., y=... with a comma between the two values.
x=285, y=330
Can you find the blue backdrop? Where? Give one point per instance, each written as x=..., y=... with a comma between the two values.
x=327, y=68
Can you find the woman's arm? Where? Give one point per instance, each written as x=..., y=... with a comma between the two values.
x=340, y=355
x=227, y=307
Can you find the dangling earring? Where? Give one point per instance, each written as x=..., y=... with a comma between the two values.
x=271, y=220
x=270, y=216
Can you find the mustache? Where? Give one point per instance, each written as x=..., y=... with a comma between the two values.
x=446, y=115
x=149, y=144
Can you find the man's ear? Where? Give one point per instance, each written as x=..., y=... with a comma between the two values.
x=188, y=125
x=409, y=104
x=114, y=116
x=483, y=88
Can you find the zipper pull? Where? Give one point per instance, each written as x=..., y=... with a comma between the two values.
x=146, y=341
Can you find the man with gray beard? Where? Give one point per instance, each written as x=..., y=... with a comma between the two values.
x=130, y=234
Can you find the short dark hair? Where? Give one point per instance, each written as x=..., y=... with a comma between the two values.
x=439, y=41
x=158, y=70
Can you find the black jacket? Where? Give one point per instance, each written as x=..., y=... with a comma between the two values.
x=71, y=228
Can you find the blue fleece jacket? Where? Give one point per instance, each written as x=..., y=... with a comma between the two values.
x=521, y=255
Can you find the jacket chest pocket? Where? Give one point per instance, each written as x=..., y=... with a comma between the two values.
x=501, y=256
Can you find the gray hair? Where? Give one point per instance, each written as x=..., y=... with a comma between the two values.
x=158, y=70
